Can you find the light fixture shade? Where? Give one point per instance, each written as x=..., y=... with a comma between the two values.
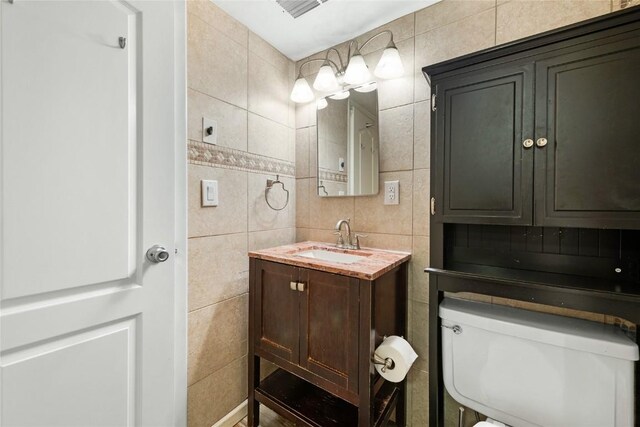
x=341, y=95
x=321, y=103
x=369, y=87
x=301, y=91
x=325, y=80
x=357, y=71
x=390, y=64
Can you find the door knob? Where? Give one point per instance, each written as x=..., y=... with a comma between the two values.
x=541, y=142
x=157, y=253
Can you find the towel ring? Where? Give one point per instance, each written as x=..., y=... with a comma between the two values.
x=321, y=186
x=270, y=184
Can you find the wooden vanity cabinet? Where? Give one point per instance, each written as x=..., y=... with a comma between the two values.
x=320, y=329
x=545, y=136
x=309, y=319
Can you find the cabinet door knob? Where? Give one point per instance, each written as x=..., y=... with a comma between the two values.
x=541, y=142
x=293, y=286
x=301, y=286
x=527, y=143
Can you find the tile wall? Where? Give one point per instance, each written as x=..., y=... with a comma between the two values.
x=442, y=31
x=237, y=79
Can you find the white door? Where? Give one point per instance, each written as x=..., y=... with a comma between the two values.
x=365, y=167
x=91, y=115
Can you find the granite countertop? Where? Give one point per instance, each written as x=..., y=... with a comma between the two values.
x=376, y=262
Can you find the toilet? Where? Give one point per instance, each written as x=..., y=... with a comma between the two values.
x=522, y=368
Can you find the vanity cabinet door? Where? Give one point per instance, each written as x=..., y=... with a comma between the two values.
x=484, y=167
x=588, y=110
x=276, y=311
x=329, y=318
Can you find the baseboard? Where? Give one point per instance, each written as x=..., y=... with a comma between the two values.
x=233, y=417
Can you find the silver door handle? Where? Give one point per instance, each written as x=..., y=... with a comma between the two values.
x=157, y=253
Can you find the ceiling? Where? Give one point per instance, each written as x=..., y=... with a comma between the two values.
x=322, y=27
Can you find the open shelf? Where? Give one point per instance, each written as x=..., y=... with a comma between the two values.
x=559, y=290
x=527, y=277
x=304, y=403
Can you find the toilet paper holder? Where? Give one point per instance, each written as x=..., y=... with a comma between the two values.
x=387, y=362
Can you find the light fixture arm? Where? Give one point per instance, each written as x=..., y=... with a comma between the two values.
x=308, y=61
x=356, y=50
x=342, y=66
x=390, y=44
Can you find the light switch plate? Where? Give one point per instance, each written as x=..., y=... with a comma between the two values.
x=209, y=193
x=209, y=131
x=392, y=192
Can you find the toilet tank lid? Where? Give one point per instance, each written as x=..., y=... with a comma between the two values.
x=566, y=332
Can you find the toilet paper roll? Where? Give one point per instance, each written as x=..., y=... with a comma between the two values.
x=402, y=354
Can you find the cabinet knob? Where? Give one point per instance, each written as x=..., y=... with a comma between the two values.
x=301, y=286
x=293, y=286
x=541, y=142
x=527, y=143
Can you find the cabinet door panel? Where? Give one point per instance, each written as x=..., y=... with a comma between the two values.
x=588, y=108
x=482, y=122
x=277, y=311
x=329, y=327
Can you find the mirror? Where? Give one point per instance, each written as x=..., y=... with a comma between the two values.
x=348, y=146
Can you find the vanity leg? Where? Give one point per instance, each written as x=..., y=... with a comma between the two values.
x=367, y=373
x=253, y=406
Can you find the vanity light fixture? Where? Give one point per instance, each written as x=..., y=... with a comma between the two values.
x=301, y=92
x=357, y=71
x=338, y=79
x=326, y=80
x=390, y=65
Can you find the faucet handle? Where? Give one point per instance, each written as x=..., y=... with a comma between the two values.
x=358, y=236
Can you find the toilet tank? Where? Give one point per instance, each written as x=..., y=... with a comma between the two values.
x=533, y=369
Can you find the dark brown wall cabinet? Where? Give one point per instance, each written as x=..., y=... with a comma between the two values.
x=535, y=176
x=321, y=329
x=545, y=138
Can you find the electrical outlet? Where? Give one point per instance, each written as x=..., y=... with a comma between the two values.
x=209, y=131
x=392, y=192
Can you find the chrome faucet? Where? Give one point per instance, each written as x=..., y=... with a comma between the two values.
x=348, y=242
x=341, y=242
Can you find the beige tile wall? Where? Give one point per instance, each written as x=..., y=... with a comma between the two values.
x=442, y=31
x=237, y=79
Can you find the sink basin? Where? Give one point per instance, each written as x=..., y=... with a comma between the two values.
x=330, y=256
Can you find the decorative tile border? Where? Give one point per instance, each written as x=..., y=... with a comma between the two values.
x=203, y=154
x=331, y=175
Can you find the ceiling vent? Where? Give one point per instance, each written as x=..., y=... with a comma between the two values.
x=298, y=8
